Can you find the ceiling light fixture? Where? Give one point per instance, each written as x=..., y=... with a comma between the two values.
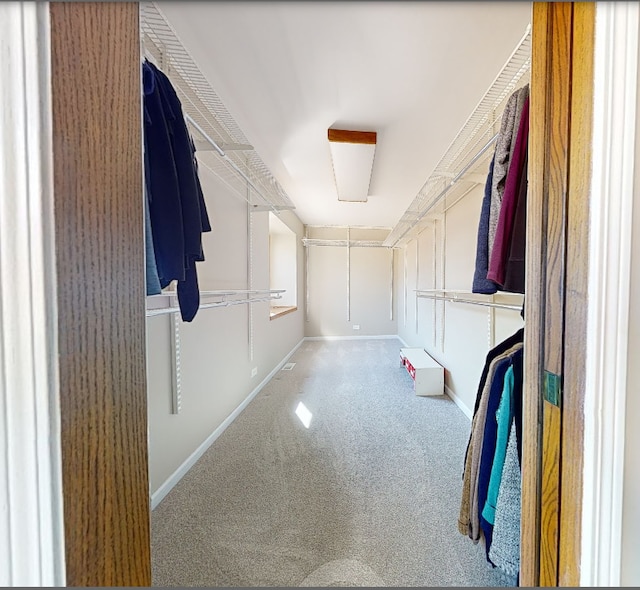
x=352, y=157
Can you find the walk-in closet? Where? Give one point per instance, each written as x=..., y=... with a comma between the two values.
x=344, y=280
x=325, y=303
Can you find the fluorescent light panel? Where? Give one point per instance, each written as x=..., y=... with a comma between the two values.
x=352, y=154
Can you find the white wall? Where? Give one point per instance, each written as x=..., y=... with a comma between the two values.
x=349, y=287
x=630, y=564
x=457, y=335
x=274, y=339
x=283, y=265
x=222, y=345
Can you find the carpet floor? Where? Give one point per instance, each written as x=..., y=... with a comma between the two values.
x=367, y=493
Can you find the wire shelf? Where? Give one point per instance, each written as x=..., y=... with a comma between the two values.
x=514, y=301
x=240, y=162
x=167, y=301
x=459, y=168
x=351, y=243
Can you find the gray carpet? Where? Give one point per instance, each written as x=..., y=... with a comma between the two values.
x=368, y=495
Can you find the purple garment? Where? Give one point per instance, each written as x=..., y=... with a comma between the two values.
x=514, y=280
x=504, y=152
x=504, y=230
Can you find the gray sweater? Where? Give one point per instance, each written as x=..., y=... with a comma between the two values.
x=505, y=545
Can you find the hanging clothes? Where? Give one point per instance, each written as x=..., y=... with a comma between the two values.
x=507, y=214
x=497, y=362
x=494, y=384
x=497, y=411
x=492, y=203
x=523, y=96
x=516, y=338
x=177, y=209
x=506, y=136
x=488, y=465
x=151, y=274
x=503, y=420
x=505, y=546
x=481, y=284
x=151, y=271
x=514, y=278
x=162, y=181
x=500, y=413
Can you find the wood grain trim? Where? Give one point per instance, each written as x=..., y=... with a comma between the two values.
x=534, y=301
x=557, y=180
x=101, y=294
x=578, y=214
x=345, y=136
x=556, y=186
x=550, y=495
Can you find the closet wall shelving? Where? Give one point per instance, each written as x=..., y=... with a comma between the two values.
x=167, y=302
x=347, y=243
x=350, y=243
x=463, y=167
x=457, y=296
x=222, y=147
x=466, y=159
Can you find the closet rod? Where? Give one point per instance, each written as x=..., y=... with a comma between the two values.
x=445, y=190
x=254, y=296
x=223, y=154
x=351, y=243
x=457, y=292
x=454, y=291
x=473, y=302
x=220, y=293
x=167, y=310
x=242, y=292
x=204, y=134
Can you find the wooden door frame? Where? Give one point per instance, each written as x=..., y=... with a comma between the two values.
x=546, y=219
x=96, y=103
x=599, y=197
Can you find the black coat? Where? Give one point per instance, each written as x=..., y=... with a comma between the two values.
x=177, y=208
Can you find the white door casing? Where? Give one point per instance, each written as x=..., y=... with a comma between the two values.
x=31, y=521
x=611, y=194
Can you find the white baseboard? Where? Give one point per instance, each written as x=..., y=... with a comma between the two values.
x=465, y=410
x=384, y=337
x=404, y=343
x=178, y=474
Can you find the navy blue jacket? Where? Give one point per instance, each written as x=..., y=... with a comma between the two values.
x=481, y=284
x=177, y=208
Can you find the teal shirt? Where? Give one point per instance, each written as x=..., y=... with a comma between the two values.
x=504, y=417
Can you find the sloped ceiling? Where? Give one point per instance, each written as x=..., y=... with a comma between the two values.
x=411, y=71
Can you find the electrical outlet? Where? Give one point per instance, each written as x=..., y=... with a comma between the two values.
x=356, y=326
x=254, y=371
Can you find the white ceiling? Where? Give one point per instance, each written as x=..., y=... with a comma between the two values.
x=411, y=71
